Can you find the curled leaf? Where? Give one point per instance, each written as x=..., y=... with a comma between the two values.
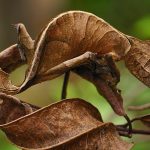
x=68, y=125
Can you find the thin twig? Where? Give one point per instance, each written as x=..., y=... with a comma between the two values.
x=65, y=84
x=134, y=131
x=140, y=108
x=129, y=124
x=125, y=134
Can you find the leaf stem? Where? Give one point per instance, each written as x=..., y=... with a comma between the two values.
x=122, y=131
x=131, y=121
x=129, y=124
x=65, y=84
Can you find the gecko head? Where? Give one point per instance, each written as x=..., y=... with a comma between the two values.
x=106, y=77
x=137, y=59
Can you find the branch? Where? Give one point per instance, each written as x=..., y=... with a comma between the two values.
x=124, y=131
x=141, y=107
x=10, y=59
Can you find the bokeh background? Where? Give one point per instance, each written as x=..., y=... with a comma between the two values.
x=130, y=16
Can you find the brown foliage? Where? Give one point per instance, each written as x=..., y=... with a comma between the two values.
x=138, y=60
x=64, y=125
x=87, y=45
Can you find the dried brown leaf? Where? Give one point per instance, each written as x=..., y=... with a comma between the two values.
x=137, y=60
x=70, y=124
x=103, y=137
x=12, y=108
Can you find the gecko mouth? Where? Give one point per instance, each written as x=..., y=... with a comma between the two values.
x=112, y=95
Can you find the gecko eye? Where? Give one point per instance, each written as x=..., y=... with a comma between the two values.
x=119, y=91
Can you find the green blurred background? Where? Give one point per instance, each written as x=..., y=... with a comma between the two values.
x=130, y=16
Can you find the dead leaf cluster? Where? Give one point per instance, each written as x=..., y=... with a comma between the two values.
x=69, y=124
x=88, y=46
